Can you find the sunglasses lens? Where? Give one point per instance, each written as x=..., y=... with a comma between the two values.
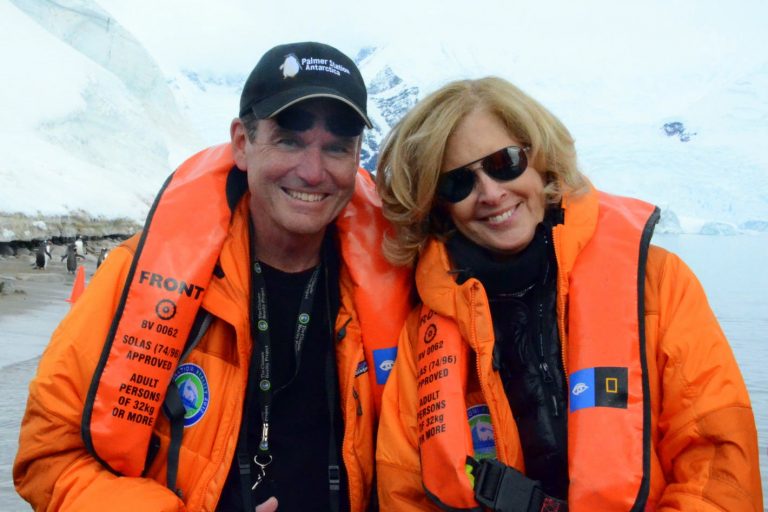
x=348, y=124
x=456, y=185
x=506, y=164
x=295, y=120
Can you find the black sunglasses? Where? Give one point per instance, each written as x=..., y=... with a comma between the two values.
x=503, y=165
x=344, y=123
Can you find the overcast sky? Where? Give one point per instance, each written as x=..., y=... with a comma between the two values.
x=230, y=35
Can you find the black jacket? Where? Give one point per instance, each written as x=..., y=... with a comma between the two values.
x=522, y=293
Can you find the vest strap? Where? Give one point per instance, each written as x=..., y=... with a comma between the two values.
x=502, y=488
x=244, y=468
x=173, y=407
x=174, y=410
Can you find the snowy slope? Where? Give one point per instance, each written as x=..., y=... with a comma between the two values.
x=89, y=127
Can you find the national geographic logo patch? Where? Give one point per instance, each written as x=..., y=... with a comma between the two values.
x=602, y=386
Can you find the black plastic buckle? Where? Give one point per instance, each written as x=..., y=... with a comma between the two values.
x=503, y=488
x=334, y=477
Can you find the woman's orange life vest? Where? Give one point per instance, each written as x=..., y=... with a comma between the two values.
x=609, y=416
x=174, y=263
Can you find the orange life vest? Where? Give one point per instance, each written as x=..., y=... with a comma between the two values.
x=609, y=416
x=164, y=290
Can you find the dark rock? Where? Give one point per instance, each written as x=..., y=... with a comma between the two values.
x=676, y=128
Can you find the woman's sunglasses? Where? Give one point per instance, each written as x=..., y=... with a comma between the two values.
x=503, y=165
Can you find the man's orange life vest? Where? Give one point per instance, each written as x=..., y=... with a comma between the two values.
x=609, y=416
x=173, y=265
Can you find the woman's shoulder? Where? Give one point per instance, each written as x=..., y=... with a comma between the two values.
x=668, y=280
x=663, y=264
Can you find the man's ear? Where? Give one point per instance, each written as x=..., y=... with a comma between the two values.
x=239, y=137
x=359, y=148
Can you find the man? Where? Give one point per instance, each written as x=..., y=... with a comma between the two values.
x=249, y=310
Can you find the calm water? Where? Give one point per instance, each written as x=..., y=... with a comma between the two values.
x=732, y=270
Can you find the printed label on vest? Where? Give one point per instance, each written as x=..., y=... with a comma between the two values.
x=442, y=416
x=137, y=400
x=603, y=386
x=139, y=397
x=170, y=284
x=434, y=363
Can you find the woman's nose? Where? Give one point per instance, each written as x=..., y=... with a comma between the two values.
x=488, y=190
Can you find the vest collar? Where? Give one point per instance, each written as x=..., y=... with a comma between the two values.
x=227, y=294
x=572, y=236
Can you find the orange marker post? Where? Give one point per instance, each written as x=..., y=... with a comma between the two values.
x=78, y=286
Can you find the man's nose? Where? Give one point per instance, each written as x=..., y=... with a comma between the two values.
x=311, y=167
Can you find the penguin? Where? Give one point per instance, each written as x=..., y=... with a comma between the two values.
x=290, y=66
x=79, y=247
x=71, y=257
x=102, y=256
x=42, y=255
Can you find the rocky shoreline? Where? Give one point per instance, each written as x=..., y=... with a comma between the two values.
x=16, y=229
x=23, y=287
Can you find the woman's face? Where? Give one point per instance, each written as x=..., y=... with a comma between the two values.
x=500, y=216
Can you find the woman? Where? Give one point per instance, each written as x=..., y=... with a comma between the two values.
x=557, y=359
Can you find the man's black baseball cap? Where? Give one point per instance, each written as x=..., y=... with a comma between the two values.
x=290, y=73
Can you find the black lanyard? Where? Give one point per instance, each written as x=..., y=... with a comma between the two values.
x=263, y=456
x=261, y=364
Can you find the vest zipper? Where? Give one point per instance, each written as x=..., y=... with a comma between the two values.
x=350, y=424
x=359, y=408
x=543, y=366
x=562, y=291
x=483, y=384
x=549, y=381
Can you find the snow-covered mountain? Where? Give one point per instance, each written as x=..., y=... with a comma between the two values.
x=92, y=125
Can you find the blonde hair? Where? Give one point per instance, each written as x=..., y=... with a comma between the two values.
x=411, y=158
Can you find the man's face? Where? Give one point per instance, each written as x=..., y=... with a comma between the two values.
x=301, y=168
